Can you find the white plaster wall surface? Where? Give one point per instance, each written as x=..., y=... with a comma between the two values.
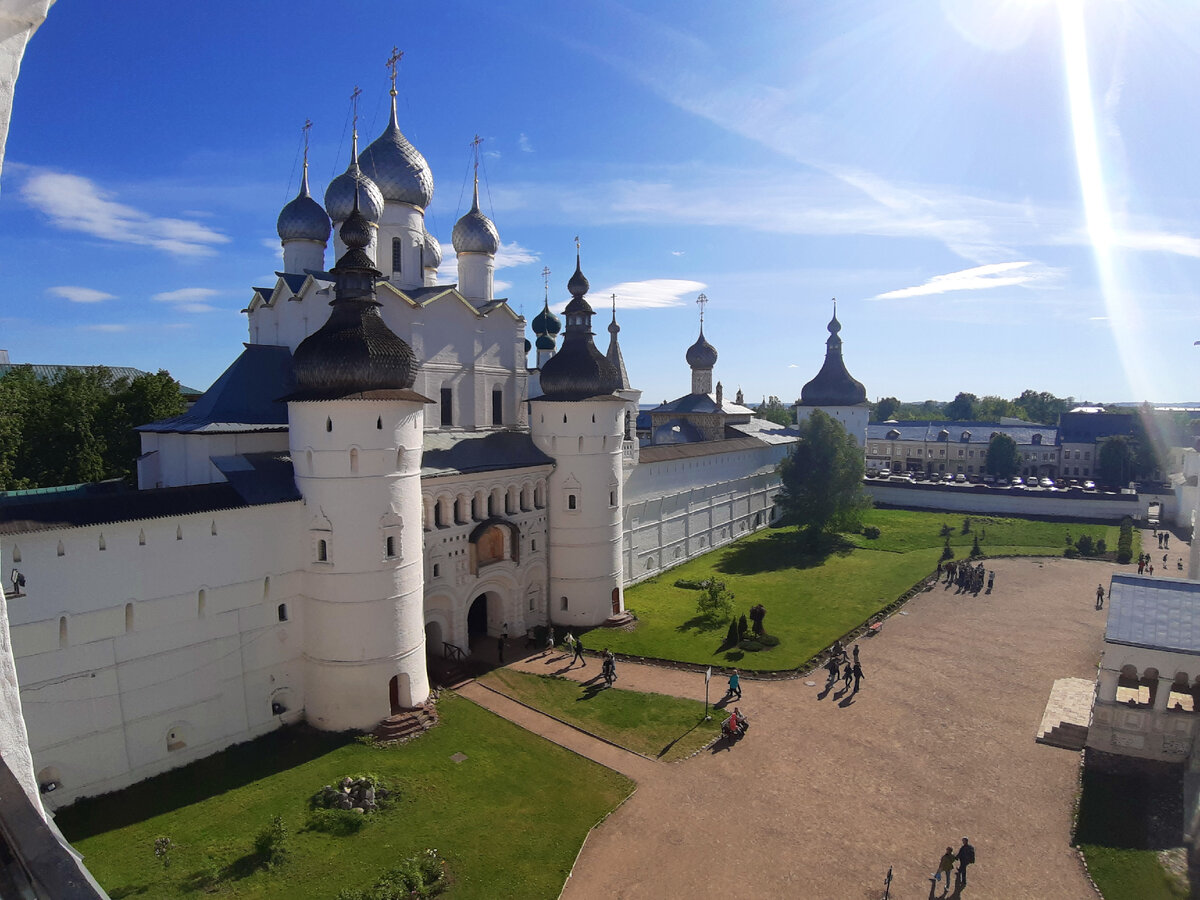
x=585, y=439
x=187, y=458
x=360, y=478
x=1009, y=503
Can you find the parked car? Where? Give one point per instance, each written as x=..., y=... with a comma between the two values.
x=960, y=478
x=949, y=476
x=885, y=473
x=1046, y=483
x=989, y=479
x=1017, y=481
x=1089, y=485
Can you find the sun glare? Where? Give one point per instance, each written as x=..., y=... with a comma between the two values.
x=1096, y=206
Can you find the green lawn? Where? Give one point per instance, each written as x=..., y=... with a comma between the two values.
x=1130, y=874
x=652, y=724
x=467, y=810
x=814, y=598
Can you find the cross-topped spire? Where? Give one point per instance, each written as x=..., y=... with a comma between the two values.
x=307, y=128
x=701, y=301
x=475, y=149
x=354, y=95
x=546, y=281
x=576, y=245
x=392, y=63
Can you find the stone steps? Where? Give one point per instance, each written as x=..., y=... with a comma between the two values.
x=1068, y=712
x=406, y=724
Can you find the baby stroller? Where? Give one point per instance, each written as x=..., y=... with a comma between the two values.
x=735, y=726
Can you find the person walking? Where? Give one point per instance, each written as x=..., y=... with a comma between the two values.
x=1099, y=596
x=847, y=675
x=856, y=654
x=945, y=869
x=965, y=857
x=569, y=640
x=856, y=670
x=735, y=685
x=549, y=640
x=579, y=654
x=831, y=666
x=500, y=647
x=991, y=580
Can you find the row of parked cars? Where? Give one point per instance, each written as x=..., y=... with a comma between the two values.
x=1030, y=483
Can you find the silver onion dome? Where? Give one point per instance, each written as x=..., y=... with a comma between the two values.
x=474, y=232
x=433, y=252
x=397, y=167
x=303, y=219
x=340, y=195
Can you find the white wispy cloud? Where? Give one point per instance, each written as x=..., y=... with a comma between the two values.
x=499, y=286
x=653, y=293
x=190, y=300
x=509, y=255
x=75, y=203
x=1008, y=274
x=80, y=294
x=523, y=143
x=678, y=252
x=106, y=328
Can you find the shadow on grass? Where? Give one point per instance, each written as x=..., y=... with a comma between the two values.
x=701, y=624
x=210, y=880
x=129, y=890
x=667, y=749
x=233, y=768
x=1130, y=804
x=781, y=550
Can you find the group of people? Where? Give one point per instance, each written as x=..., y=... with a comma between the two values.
x=841, y=665
x=968, y=577
x=1164, y=539
x=1145, y=566
x=964, y=857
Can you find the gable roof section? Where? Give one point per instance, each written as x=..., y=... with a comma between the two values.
x=450, y=454
x=1155, y=613
x=977, y=432
x=245, y=398
x=663, y=452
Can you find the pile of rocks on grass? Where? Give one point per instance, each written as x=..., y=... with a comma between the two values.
x=354, y=794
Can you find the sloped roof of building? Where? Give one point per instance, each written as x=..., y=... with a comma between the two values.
x=977, y=432
x=449, y=454
x=259, y=477
x=661, y=452
x=19, y=515
x=764, y=430
x=245, y=398
x=1156, y=613
x=1087, y=428
x=689, y=403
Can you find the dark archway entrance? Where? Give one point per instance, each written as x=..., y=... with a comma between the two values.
x=477, y=617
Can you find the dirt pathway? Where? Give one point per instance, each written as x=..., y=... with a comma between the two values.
x=828, y=790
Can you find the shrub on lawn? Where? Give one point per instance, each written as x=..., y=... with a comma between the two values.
x=688, y=584
x=732, y=637
x=418, y=876
x=1071, y=553
x=271, y=844
x=768, y=640
x=1086, y=545
x=337, y=822
x=947, y=553
x=751, y=646
x=1125, y=542
x=975, y=551
x=966, y=529
x=945, y=532
x=870, y=532
x=716, y=603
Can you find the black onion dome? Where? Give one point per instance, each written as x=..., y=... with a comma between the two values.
x=702, y=354
x=834, y=385
x=354, y=351
x=578, y=370
x=546, y=322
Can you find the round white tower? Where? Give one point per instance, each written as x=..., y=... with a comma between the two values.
x=356, y=435
x=579, y=421
x=303, y=228
x=835, y=391
x=475, y=242
x=404, y=180
x=432, y=259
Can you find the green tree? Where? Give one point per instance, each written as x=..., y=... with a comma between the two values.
x=773, y=410
x=886, y=408
x=20, y=395
x=822, y=478
x=993, y=409
x=715, y=603
x=1041, y=406
x=1117, y=460
x=1003, y=460
x=138, y=401
x=962, y=407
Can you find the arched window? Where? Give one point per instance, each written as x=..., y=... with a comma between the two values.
x=322, y=551
x=201, y=602
x=103, y=545
x=62, y=632
x=141, y=537
x=328, y=424
x=179, y=532
x=281, y=612
x=353, y=461
x=128, y=618
x=397, y=255
x=214, y=527
x=390, y=546
x=379, y=424
x=267, y=587
x=564, y=604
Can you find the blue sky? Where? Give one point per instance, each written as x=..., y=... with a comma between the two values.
x=1001, y=195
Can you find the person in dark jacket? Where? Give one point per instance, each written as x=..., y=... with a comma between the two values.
x=965, y=857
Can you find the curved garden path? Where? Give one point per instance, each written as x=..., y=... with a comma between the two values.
x=826, y=792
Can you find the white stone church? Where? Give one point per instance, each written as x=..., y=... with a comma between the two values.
x=378, y=480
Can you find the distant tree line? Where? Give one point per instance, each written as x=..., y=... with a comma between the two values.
x=1041, y=407
x=77, y=427
x=773, y=410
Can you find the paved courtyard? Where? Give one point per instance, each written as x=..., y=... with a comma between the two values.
x=827, y=791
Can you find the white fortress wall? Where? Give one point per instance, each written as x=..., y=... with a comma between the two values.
x=676, y=509
x=182, y=459
x=177, y=647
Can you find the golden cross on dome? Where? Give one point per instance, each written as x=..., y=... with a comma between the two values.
x=546, y=281
x=577, y=244
x=307, y=128
x=701, y=301
x=393, y=60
